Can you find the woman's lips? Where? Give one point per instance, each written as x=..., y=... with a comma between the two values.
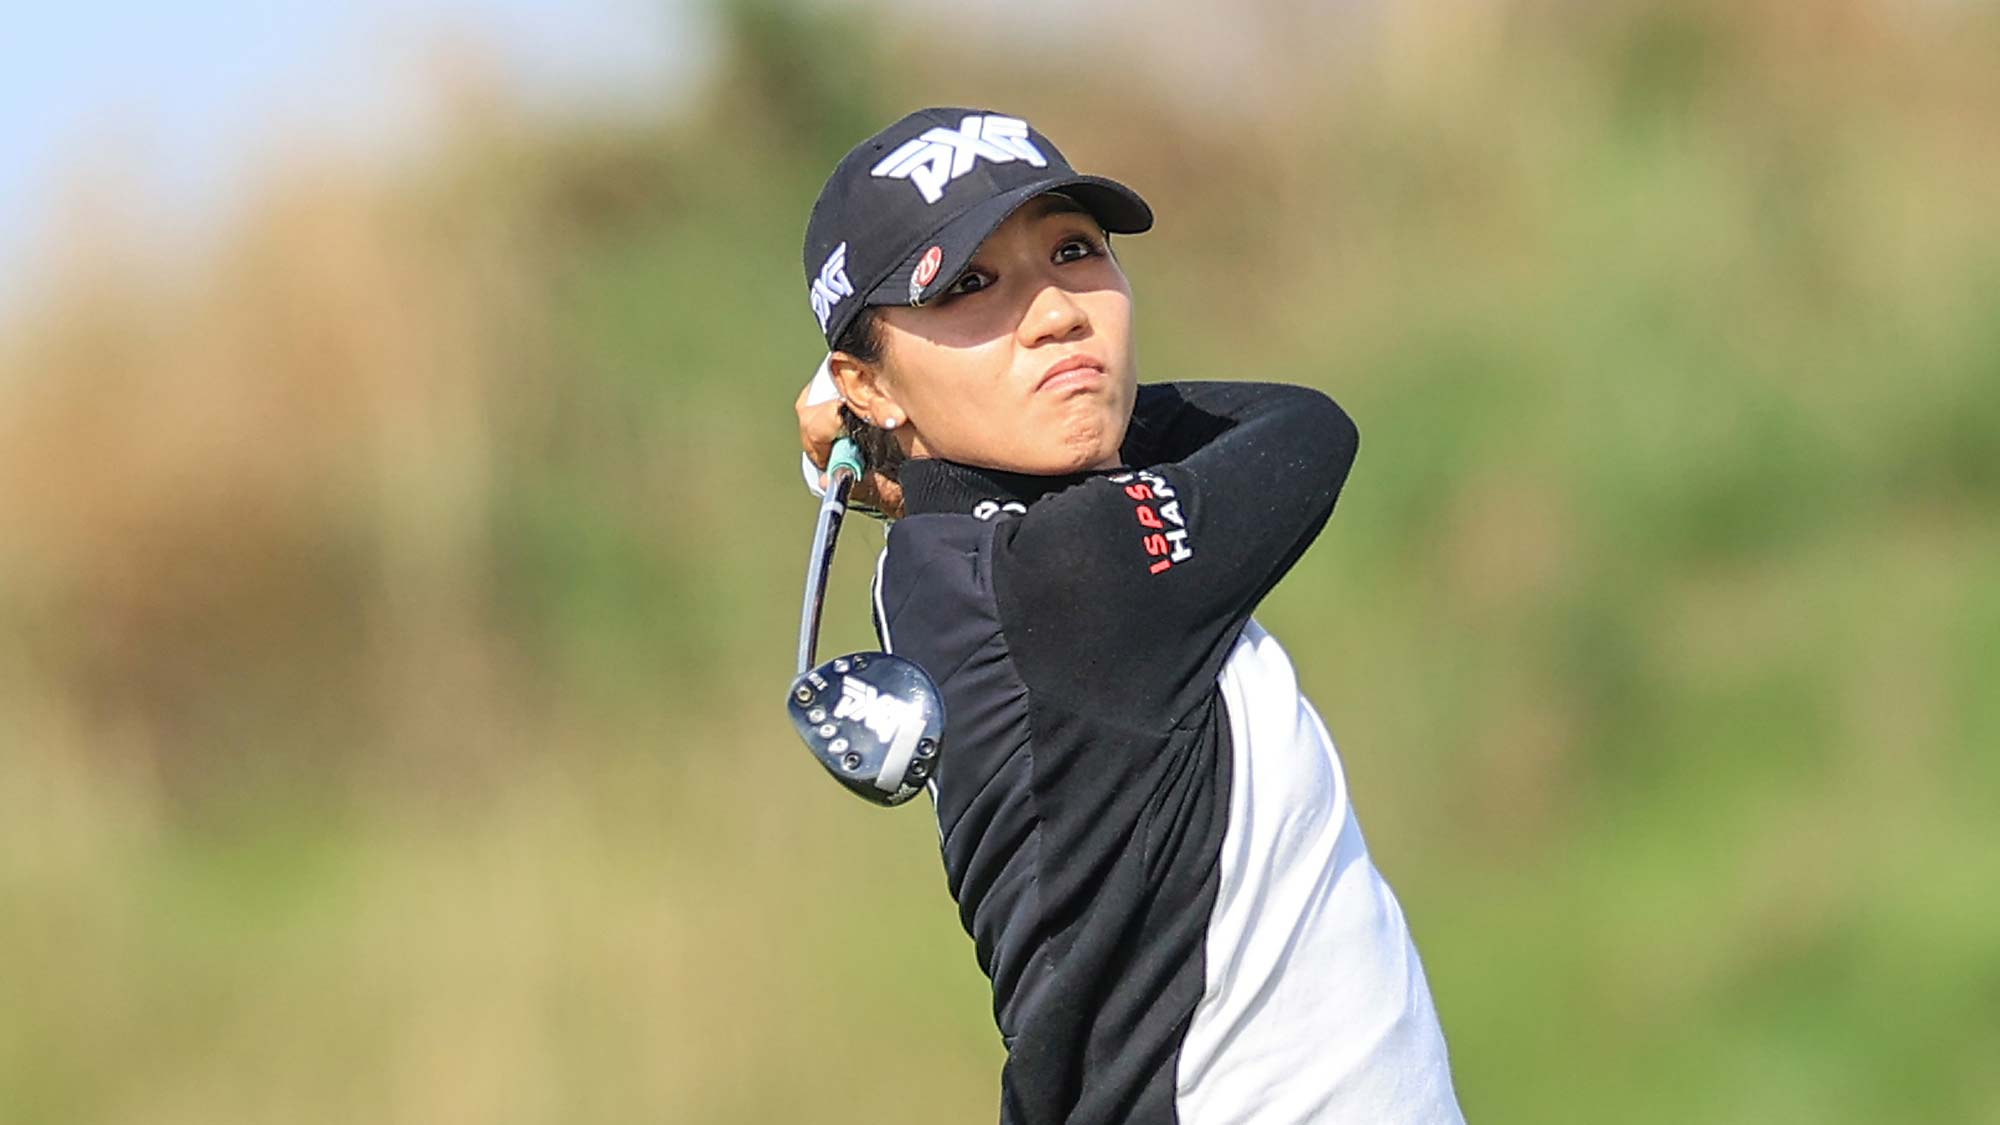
x=1076, y=371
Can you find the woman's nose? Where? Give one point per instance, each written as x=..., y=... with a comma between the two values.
x=1053, y=315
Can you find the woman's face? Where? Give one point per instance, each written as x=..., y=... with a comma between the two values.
x=1025, y=362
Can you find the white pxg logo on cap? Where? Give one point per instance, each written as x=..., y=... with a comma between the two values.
x=942, y=155
x=904, y=211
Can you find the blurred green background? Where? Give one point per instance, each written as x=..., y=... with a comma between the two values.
x=399, y=581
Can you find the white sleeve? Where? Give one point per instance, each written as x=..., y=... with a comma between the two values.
x=821, y=389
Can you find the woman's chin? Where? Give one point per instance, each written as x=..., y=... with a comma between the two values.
x=1088, y=448
x=1082, y=442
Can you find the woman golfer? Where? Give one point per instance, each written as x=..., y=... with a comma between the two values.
x=1145, y=825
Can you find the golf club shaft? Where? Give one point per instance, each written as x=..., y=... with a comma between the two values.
x=841, y=470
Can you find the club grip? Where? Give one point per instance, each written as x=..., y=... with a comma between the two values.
x=846, y=455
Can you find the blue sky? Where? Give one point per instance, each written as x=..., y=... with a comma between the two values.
x=185, y=98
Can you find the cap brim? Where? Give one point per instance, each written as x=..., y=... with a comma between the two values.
x=1117, y=208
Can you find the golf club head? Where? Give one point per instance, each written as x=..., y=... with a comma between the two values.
x=874, y=721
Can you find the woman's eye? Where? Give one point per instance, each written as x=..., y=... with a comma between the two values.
x=971, y=281
x=1075, y=249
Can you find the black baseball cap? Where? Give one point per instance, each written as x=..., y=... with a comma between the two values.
x=904, y=211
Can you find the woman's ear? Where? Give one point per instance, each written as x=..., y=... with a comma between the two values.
x=862, y=388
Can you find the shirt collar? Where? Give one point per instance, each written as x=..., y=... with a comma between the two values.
x=931, y=484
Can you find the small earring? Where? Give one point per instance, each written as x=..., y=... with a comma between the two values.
x=891, y=422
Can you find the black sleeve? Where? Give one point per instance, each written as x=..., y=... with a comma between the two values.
x=1127, y=589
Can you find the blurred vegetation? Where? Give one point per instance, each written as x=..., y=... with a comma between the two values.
x=396, y=596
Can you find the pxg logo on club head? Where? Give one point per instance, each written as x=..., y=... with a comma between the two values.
x=873, y=720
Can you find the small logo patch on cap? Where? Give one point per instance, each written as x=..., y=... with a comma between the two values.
x=926, y=270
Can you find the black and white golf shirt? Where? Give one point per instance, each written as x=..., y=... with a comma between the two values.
x=1145, y=825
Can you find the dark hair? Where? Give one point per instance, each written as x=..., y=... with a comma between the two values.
x=862, y=339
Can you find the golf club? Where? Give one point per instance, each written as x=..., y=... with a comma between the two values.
x=874, y=720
